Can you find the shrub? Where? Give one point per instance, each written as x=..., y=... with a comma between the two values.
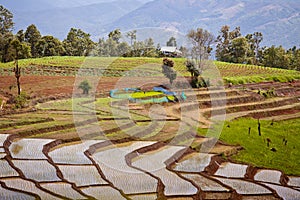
x=21, y=100
x=168, y=62
x=167, y=70
x=85, y=86
x=268, y=93
x=200, y=83
x=195, y=83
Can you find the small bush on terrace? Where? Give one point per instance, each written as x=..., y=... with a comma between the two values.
x=21, y=100
x=85, y=86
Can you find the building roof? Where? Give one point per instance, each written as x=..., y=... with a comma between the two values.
x=170, y=50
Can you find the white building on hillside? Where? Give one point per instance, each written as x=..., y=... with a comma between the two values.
x=170, y=51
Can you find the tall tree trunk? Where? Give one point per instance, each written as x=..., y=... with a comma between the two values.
x=18, y=75
x=18, y=84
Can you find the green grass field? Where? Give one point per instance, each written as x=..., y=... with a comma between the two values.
x=256, y=151
x=231, y=73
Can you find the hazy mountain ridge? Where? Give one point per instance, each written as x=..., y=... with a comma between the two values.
x=58, y=21
x=278, y=20
x=35, y=5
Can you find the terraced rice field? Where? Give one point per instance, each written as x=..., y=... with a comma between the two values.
x=82, y=176
x=63, y=189
x=144, y=156
x=148, y=166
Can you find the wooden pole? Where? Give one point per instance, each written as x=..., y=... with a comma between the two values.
x=18, y=75
x=259, y=129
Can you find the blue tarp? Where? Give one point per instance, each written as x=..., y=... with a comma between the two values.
x=167, y=92
x=113, y=94
x=183, y=96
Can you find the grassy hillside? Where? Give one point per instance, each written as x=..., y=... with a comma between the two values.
x=231, y=73
x=256, y=151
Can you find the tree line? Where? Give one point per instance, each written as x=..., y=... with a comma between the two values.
x=230, y=45
x=233, y=47
x=31, y=44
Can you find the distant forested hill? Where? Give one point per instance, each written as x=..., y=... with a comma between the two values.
x=278, y=20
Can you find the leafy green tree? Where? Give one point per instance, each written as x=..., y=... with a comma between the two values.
x=143, y=49
x=20, y=36
x=123, y=48
x=23, y=48
x=238, y=49
x=49, y=46
x=15, y=49
x=5, y=41
x=149, y=48
x=195, y=72
x=201, y=40
x=224, y=41
x=172, y=42
x=191, y=67
x=100, y=47
x=138, y=49
x=132, y=36
x=258, y=38
x=251, y=51
x=168, y=71
x=6, y=36
x=270, y=57
x=18, y=49
x=111, y=47
x=115, y=35
x=295, y=58
x=184, y=51
x=85, y=86
x=276, y=57
x=78, y=43
x=6, y=20
x=295, y=64
x=32, y=36
x=255, y=51
x=235, y=33
x=201, y=48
